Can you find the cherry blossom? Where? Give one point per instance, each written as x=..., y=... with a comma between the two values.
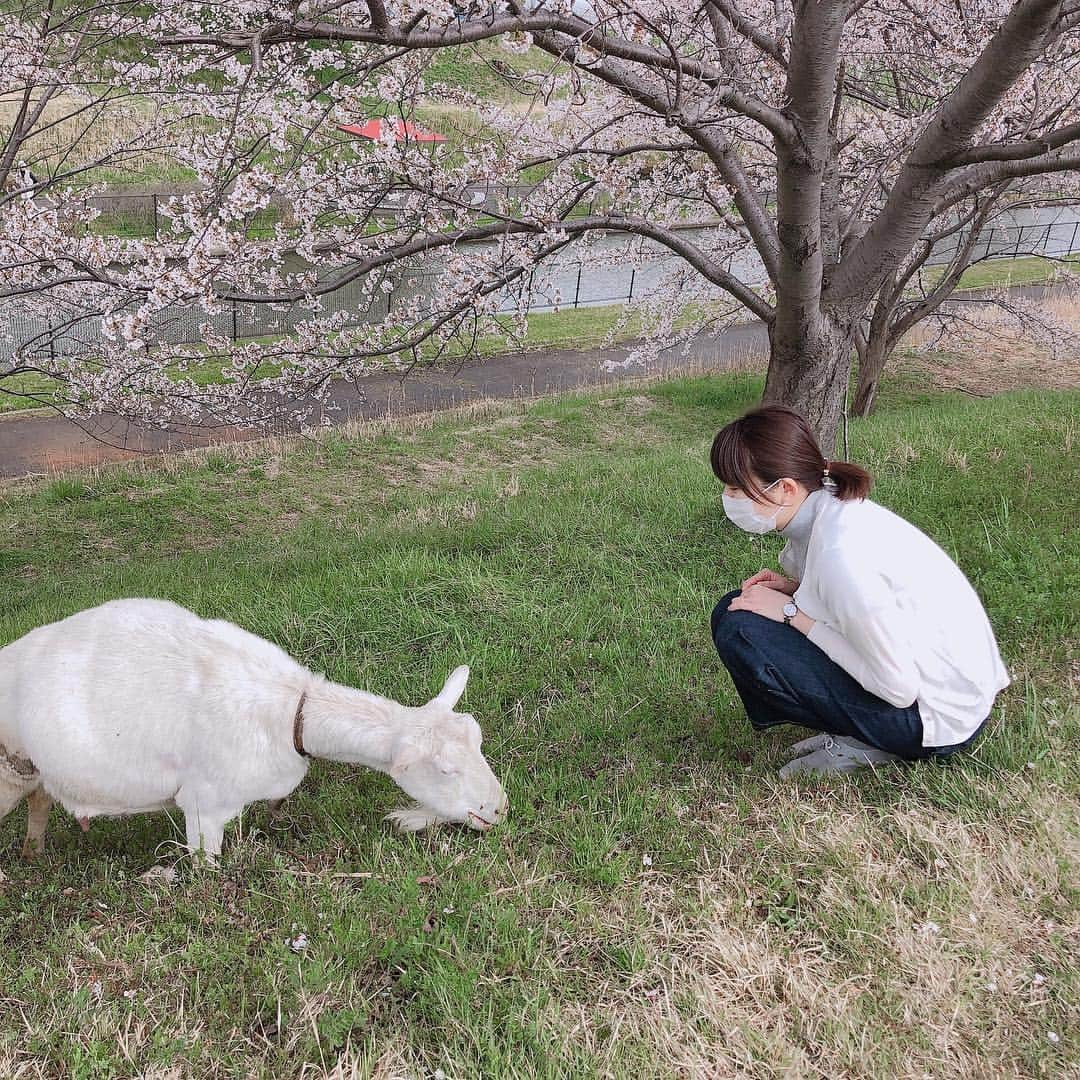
x=794, y=162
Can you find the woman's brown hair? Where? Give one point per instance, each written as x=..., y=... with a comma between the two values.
x=773, y=442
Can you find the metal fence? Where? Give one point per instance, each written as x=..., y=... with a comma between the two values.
x=145, y=213
x=578, y=284
x=1052, y=240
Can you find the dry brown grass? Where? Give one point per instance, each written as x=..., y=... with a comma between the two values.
x=993, y=351
x=70, y=135
x=273, y=452
x=864, y=980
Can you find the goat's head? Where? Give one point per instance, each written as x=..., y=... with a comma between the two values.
x=438, y=762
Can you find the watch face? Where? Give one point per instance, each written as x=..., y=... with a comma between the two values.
x=790, y=610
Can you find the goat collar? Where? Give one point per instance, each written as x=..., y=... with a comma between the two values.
x=298, y=727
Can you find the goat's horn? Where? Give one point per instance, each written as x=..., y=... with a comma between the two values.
x=454, y=688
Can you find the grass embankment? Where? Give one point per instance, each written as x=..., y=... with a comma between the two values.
x=994, y=273
x=110, y=140
x=658, y=904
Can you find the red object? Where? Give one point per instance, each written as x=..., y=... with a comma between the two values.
x=403, y=129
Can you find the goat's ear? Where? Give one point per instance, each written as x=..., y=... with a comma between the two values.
x=454, y=688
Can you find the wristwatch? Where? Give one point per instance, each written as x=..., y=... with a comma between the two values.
x=791, y=609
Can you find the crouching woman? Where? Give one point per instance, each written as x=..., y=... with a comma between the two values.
x=872, y=636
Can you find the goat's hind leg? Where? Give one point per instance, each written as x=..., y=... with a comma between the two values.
x=38, y=804
x=13, y=787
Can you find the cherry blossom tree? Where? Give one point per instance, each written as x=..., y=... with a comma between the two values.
x=66, y=131
x=919, y=291
x=819, y=148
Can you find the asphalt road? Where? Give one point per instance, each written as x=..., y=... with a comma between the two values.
x=44, y=443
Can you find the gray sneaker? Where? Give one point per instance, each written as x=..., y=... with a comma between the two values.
x=815, y=742
x=838, y=754
x=823, y=739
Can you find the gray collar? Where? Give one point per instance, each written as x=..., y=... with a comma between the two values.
x=798, y=529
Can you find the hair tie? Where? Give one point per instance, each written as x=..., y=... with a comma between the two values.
x=826, y=479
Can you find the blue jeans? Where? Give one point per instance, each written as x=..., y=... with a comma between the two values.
x=783, y=678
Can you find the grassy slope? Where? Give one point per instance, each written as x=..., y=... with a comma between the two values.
x=658, y=903
x=1027, y=271
x=485, y=70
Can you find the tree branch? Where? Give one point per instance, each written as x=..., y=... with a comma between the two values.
x=1017, y=151
x=748, y=30
x=669, y=238
x=961, y=260
x=468, y=31
x=748, y=200
x=377, y=10
x=977, y=178
x=1011, y=51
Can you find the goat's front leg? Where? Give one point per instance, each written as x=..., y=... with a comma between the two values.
x=38, y=804
x=205, y=830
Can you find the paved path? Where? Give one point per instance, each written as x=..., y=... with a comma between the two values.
x=44, y=443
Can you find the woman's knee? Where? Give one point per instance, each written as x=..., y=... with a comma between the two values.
x=721, y=610
x=725, y=622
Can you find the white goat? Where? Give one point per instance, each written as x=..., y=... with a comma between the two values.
x=140, y=704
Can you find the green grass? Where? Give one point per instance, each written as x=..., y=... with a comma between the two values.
x=657, y=903
x=486, y=69
x=1028, y=271
x=40, y=387
x=152, y=174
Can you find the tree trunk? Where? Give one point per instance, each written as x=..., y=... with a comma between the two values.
x=871, y=365
x=809, y=372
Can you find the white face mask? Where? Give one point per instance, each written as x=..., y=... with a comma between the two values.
x=741, y=512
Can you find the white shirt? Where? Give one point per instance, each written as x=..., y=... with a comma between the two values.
x=895, y=612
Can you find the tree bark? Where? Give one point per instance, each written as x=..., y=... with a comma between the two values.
x=809, y=357
x=871, y=366
x=809, y=372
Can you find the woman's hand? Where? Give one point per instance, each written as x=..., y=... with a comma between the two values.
x=773, y=580
x=761, y=600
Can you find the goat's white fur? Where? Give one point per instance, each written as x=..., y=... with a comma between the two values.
x=137, y=705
